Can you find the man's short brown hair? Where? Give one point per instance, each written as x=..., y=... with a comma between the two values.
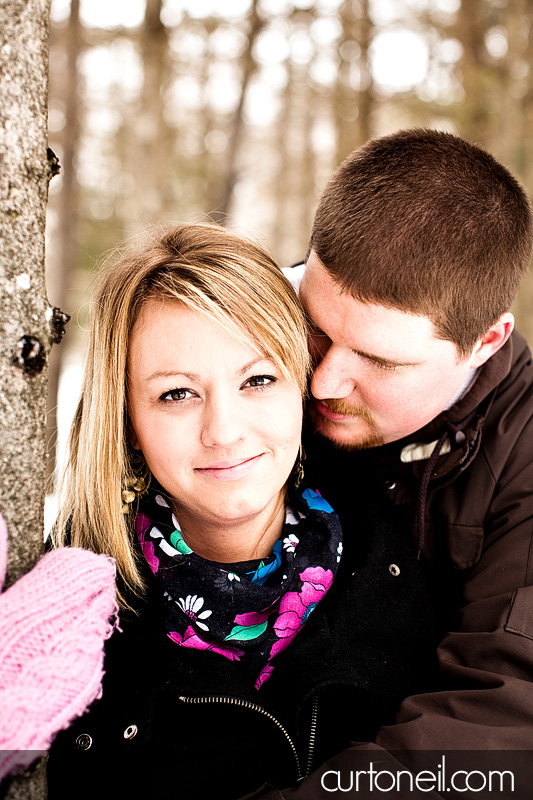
x=428, y=223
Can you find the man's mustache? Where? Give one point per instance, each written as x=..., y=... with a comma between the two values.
x=341, y=406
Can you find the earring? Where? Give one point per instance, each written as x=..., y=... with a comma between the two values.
x=298, y=469
x=138, y=483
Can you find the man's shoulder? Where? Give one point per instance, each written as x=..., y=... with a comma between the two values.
x=511, y=412
x=514, y=389
x=521, y=355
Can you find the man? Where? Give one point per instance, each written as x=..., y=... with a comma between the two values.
x=418, y=247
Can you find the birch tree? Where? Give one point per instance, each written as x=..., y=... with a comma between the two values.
x=26, y=320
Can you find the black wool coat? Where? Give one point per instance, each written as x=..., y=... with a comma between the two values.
x=177, y=722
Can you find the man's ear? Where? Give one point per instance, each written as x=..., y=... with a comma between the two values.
x=493, y=340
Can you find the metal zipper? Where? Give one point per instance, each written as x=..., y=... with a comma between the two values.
x=312, y=735
x=237, y=701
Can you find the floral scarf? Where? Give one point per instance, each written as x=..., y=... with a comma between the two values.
x=249, y=610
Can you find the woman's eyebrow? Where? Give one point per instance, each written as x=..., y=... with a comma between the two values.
x=172, y=373
x=194, y=376
x=252, y=363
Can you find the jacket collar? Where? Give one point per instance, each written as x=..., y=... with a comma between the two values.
x=477, y=399
x=412, y=452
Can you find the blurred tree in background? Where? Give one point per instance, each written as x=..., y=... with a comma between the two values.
x=239, y=110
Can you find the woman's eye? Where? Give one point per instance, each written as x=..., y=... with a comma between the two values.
x=260, y=381
x=176, y=395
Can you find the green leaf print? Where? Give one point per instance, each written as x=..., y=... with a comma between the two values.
x=243, y=633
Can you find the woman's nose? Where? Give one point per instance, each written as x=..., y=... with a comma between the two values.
x=223, y=424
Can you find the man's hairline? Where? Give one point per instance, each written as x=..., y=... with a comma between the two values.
x=461, y=357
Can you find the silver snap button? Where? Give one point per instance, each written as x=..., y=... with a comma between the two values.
x=390, y=485
x=84, y=741
x=130, y=732
x=394, y=569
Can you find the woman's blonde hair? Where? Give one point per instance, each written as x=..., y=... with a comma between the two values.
x=207, y=268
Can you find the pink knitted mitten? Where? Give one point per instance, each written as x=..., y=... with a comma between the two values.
x=53, y=625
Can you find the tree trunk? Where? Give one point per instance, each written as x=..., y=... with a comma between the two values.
x=282, y=183
x=354, y=99
x=26, y=332
x=59, y=277
x=223, y=206
x=473, y=116
x=153, y=144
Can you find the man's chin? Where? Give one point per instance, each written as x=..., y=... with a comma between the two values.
x=344, y=439
x=352, y=446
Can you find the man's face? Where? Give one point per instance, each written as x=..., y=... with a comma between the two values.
x=379, y=373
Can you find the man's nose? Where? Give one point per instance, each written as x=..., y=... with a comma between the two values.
x=331, y=376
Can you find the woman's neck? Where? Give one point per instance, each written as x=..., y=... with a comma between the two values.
x=229, y=542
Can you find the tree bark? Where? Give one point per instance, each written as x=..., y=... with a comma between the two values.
x=473, y=114
x=153, y=143
x=26, y=331
x=59, y=278
x=354, y=105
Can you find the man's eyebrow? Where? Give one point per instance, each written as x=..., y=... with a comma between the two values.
x=315, y=330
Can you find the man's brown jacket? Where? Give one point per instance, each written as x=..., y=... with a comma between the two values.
x=464, y=485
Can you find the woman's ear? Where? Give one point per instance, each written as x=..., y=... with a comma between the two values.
x=132, y=436
x=493, y=340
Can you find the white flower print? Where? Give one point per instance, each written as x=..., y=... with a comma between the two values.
x=291, y=518
x=232, y=576
x=168, y=549
x=339, y=552
x=290, y=542
x=155, y=533
x=190, y=606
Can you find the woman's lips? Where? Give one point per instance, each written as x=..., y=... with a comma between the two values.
x=230, y=470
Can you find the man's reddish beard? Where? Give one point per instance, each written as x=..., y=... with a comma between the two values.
x=342, y=406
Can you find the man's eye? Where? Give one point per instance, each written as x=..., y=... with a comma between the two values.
x=176, y=395
x=384, y=365
x=260, y=381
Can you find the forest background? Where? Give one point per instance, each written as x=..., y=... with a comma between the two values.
x=239, y=110
x=236, y=111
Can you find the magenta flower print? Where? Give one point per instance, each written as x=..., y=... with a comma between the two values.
x=192, y=639
x=143, y=525
x=316, y=582
x=252, y=617
x=264, y=675
x=295, y=607
x=291, y=614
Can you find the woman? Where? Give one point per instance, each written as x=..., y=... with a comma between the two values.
x=239, y=660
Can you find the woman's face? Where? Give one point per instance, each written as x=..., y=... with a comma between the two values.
x=218, y=424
